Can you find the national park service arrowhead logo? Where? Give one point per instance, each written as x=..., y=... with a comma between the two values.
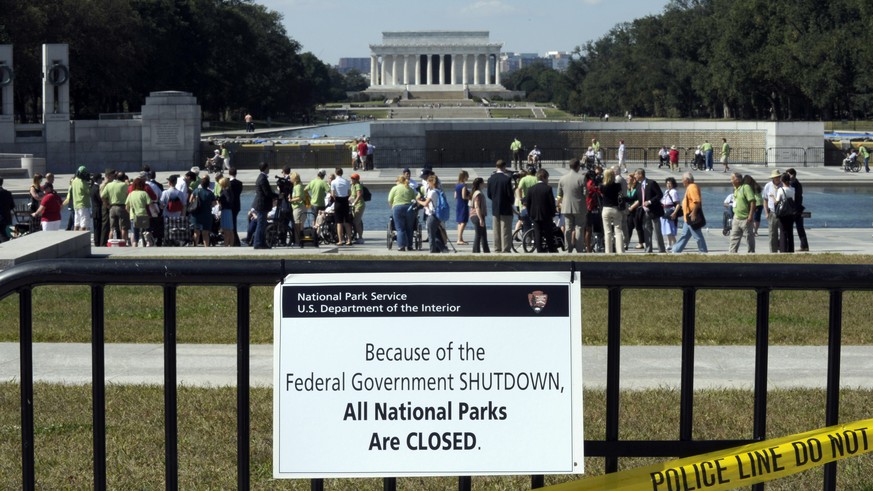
x=537, y=300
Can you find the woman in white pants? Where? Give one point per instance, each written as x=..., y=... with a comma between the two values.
x=612, y=215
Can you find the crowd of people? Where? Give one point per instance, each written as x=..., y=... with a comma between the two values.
x=599, y=210
x=594, y=210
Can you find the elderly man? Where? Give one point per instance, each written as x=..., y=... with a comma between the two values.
x=692, y=205
x=501, y=196
x=571, y=200
x=650, y=200
x=769, y=195
x=744, y=214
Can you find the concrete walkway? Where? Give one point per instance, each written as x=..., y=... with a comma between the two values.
x=642, y=367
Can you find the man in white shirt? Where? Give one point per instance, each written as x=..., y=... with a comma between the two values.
x=339, y=190
x=769, y=195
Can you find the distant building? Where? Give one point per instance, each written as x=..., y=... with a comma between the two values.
x=510, y=62
x=346, y=65
x=559, y=59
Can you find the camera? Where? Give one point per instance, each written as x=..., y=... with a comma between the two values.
x=284, y=184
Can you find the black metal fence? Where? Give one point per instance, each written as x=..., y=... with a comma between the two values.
x=689, y=278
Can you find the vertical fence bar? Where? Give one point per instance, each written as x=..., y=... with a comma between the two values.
x=762, y=346
x=98, y=385
x=832, y=409
x=171, y=439
x=613, y=365
x=243, y=335
x=686, y=395
x=25, y=319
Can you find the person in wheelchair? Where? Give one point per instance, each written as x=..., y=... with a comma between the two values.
x=533, y=158
x=850, y=163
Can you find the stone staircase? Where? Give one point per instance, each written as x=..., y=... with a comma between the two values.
x=11, y=166
x=443, y=112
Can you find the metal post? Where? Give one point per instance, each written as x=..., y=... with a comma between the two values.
x=686, y=396
x=389, y=484
x=98, y=385
x=762, y=335
x=465, y=483
x=242, y=387
x=613, y=366
x=25, y=339
x=832, y=409
x=171, y=438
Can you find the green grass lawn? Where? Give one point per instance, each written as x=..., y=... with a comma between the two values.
x=207, y=436
x=522, y=113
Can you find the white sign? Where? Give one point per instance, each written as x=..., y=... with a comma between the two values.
x=427, y=374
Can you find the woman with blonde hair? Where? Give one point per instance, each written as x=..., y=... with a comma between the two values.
x=298, y=207
x=400, y=197
x=612, y=217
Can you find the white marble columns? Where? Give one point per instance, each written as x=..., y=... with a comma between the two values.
x=435, y=67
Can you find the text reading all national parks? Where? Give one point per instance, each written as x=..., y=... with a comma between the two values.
x=479, y=300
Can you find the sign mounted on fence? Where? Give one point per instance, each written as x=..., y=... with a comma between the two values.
x=427, y=374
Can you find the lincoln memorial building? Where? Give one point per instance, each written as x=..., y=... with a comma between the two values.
x=435, y=61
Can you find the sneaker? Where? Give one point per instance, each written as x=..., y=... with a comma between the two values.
x=359, y=241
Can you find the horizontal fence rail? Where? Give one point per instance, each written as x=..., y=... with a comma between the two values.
x=689, y=278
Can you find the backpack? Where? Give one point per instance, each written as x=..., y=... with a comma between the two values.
x=366, y=193
x=786, y=207
x=174, y=204
x=194, y=203
x=441, y=209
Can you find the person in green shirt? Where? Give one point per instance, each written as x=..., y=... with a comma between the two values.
x=399, y=199
x=80, y=195
x=706, y=148
x=527, y=181
x=865, y=154
x=115, y=195
x=515, y=147
x=318, y=189
x=725, y=154
x=744, y=214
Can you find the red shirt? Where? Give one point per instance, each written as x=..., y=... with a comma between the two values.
x=52, y=203
x=674, y=156
x=362, y=149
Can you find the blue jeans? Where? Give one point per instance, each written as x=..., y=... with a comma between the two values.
x=709, y=159
x=260, y=230
x=685, y=236
x=402, y=225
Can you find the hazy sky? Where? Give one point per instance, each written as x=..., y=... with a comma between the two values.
x=334, y=29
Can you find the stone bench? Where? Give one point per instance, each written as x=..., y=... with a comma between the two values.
x=45, y=245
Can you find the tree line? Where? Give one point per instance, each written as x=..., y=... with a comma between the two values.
x=233, y=55
x=743, y=59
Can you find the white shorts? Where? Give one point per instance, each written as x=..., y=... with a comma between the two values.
x=82, y=220
x=51, y=226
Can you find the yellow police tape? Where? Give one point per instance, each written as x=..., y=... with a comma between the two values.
x=740, y=466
